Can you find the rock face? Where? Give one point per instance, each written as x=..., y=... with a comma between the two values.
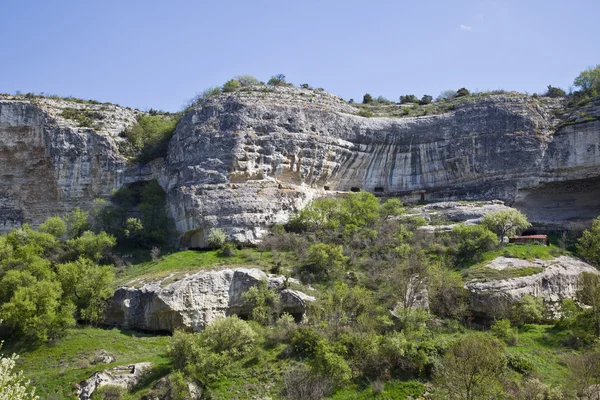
x=195, y=301
x=248, y=159
x=126, y=376
x=557, y=281
x=48, y=166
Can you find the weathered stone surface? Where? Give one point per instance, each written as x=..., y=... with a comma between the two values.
x=125, y=376
x=195, y=301
x=49, y=167
x=557, y=281
x=245, y=160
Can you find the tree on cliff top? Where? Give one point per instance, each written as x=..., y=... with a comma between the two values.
x=589, y=81
x=505, y=223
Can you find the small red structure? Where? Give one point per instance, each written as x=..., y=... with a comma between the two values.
x=539, y=239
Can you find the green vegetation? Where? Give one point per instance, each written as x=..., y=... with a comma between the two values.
x=55, y=369
x=505, y=223
x=589, y=81
x=84, y=118
x=588, y=246
x=149, y=137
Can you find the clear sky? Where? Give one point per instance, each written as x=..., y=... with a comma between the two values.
x=160, y=53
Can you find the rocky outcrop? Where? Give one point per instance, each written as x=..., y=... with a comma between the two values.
x=245, y=160
x=195, y=300
x=49, y=166
x=126, y=377
x=556, y=281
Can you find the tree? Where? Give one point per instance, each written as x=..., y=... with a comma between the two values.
x=77, y=222
x=555, y=92
x=588, y=246
x=230, y=336
x=584, y=371
x=277, y=80
x=426, y=99
x=91, y=245
x=409, y=98
x=391, y=208
x=505, y=223
x=472, y=241
x=86, y=285
x=13, y=385
x=446, y=95
x=367, y=99
x=54, y=226
x=472, y=368
x=323, y=262
x=589, y=81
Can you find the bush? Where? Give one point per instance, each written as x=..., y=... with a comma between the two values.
x=323, y=262
x=149, y=137
x=228, y=250
x=367, y=99
x=230, y=336
x=277, y=80
x=231, y=85
x=472, y=241
x=409, y=98
x=503, y=331
x=589, y=81
x=426, y=99
x=247, y=80
x=300, y=383
x=554, y=92
x=263, y=301
x=462, y=92
x=364, y=113
x=216, y=238
x=109, y=392
x=519, y=362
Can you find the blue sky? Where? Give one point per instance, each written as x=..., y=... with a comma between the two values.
x=160, y=53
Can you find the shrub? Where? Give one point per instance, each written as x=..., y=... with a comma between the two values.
x=231, y=85
x=462, y=92
x=519, y=363
x=228, y=250
x=247, y=80
x=263, y=301
x=305, y=86
x=109, y=392
x=472, y=241
x=446, y=95
x=13, y=385
x=503, y=331
x=409, y=98
x=554, y=92
x=300, y=383
x=364, y=113
x=505, y=223
x=149, y=137
x=323, y=262
x=367, y=99
x=426, y=99
x=54, y=226
x=588, y=246
x=216, y=238
x=589, y=81
x=277, y=80
x=230, y=336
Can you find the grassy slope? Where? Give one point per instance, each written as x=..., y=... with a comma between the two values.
x=192, y=261
x=54, y=369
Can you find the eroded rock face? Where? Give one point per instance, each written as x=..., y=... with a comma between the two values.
x=245, y=160
x=48, y=166
x=195, y=300
x=557, y=281
x=126, y=376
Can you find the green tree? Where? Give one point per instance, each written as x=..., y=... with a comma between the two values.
x=588, y=246
x=391, y=208
x=54, y=226
x=77, y=222
x=216, y=238
x=323, y=262
x=264, y=303
x=589, y=81
x=409, y=98
x=86, y=285
x=472, y=369
x=367, y=99
x=472, y=241
x=505, y=223
x=247, y=80
x=37, y=312
x=91, y=245
x=230, y=336
x=529, y=310
x=462, y=92
x=426, y=99
x=360, y=209
x=277, y=80
x=588, y=293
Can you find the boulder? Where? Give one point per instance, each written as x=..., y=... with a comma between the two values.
x=557, y=281
x=195, y=300
x=125, y=376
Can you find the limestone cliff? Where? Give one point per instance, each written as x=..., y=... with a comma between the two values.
x=245, y=160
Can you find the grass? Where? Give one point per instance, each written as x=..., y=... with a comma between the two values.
x=192, y=261
x=84, y=118
x=397, y=390
x=541, y=345
x=480, y=271
x=54, y=369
